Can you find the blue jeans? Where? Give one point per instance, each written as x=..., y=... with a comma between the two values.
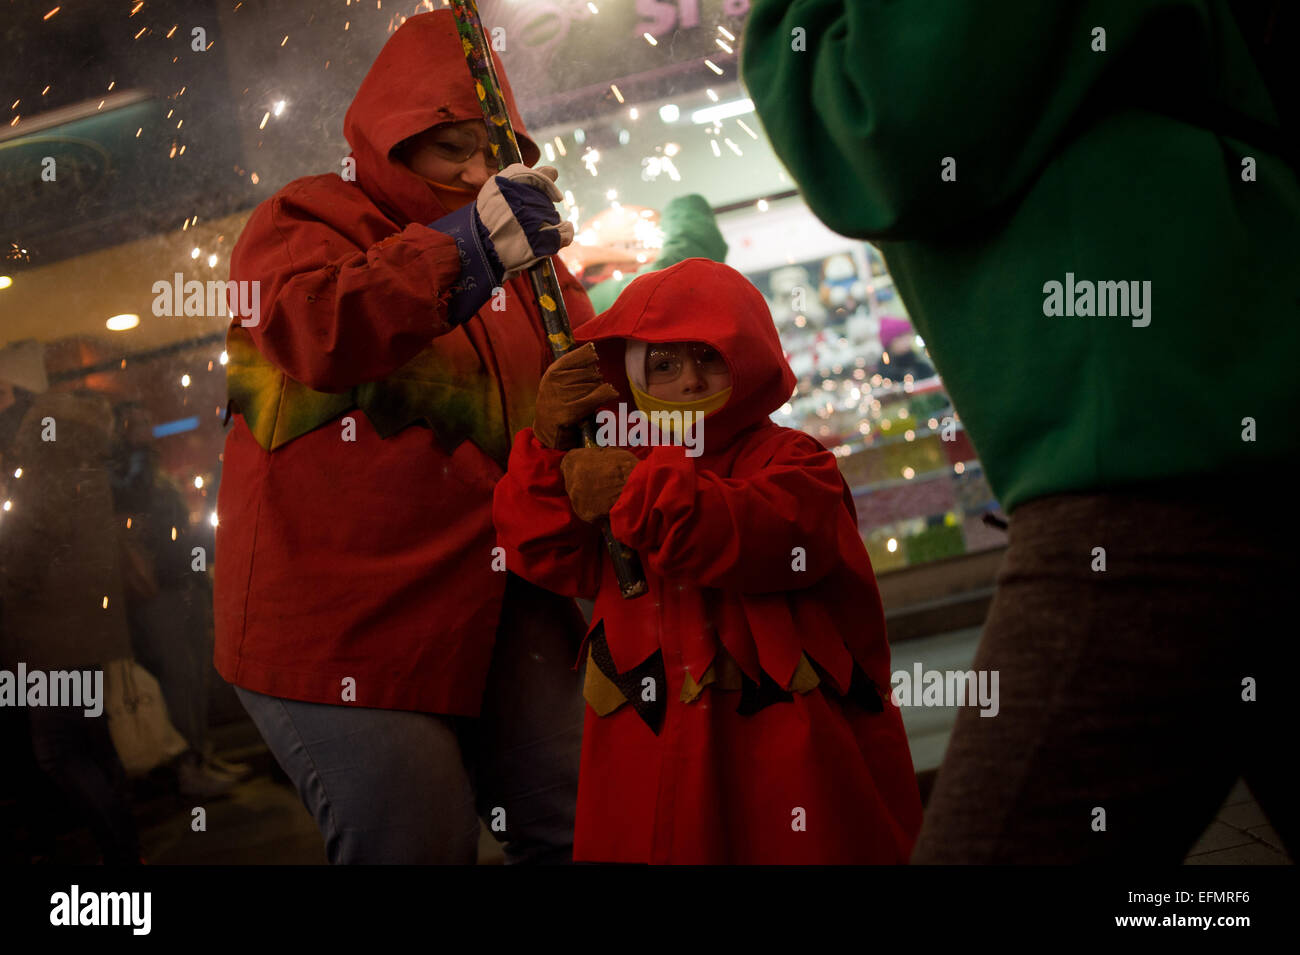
x=395, y=786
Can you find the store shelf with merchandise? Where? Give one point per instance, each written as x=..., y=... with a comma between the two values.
x=866, y=388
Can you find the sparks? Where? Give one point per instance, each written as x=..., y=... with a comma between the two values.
x=727, y=33
x=723, y=43
x=714, y=67
x=136, y=9
x=649, y=39
x=51, y=13
x=618, y=95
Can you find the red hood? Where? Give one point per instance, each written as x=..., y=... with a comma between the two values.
x=419, y=79
x=705, y=301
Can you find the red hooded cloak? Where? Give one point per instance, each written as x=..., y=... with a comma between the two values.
x=758, y=583
x=351, y=544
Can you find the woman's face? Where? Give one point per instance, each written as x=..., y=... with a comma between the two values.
x=685, y=371
x=452, y=154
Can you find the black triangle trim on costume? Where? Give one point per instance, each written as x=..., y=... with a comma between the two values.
x=629, y=683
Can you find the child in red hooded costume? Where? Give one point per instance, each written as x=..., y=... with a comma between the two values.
x=740, y=711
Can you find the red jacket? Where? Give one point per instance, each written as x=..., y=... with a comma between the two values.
x=371, y=558
x=718, y=535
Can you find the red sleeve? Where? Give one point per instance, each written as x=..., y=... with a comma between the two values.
x=333, y=315
x=736, y=534
x=545, y=542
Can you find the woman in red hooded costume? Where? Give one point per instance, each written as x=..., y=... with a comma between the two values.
x=361, y=610
x=740, y=711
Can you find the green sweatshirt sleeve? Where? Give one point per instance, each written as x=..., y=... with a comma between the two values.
x=885, y=91
x=690, y=231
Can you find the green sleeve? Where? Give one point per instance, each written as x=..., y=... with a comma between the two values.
x=865, y=115
x=690, y=231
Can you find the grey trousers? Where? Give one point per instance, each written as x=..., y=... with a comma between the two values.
x=1134, y=697
x=394, y=786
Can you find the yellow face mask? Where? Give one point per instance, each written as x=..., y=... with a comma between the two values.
x=699, y=407
x=451, y=197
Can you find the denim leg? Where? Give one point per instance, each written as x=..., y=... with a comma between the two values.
x=528, y=741
x=385, y=786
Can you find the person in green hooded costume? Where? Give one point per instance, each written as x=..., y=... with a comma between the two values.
x=1090, y=213
x=690, y=231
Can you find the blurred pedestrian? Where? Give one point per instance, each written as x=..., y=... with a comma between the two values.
x=1000, y=154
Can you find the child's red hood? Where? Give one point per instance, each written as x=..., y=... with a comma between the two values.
x=705, y=301
x=419, y=79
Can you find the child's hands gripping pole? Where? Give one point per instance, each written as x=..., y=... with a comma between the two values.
x=570, y=392
x=594, y=478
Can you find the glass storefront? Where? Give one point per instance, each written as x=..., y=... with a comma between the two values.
x=632, y=125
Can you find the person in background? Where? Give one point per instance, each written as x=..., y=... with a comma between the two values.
x=690, y=230
x=169, y=604
x=898, y=356
x=61, y=603
x=1144, y=458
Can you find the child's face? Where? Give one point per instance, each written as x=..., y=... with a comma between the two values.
x=685, y=371
x=453, y=154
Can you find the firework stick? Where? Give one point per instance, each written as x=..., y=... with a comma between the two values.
x=546, y=285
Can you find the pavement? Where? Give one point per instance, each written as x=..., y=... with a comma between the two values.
x=262, y=820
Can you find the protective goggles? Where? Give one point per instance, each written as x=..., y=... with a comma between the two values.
x=665, y=363
x=459, y=143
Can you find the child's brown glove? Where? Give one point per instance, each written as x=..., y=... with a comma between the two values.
x=571, y=390
x=594, y=478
